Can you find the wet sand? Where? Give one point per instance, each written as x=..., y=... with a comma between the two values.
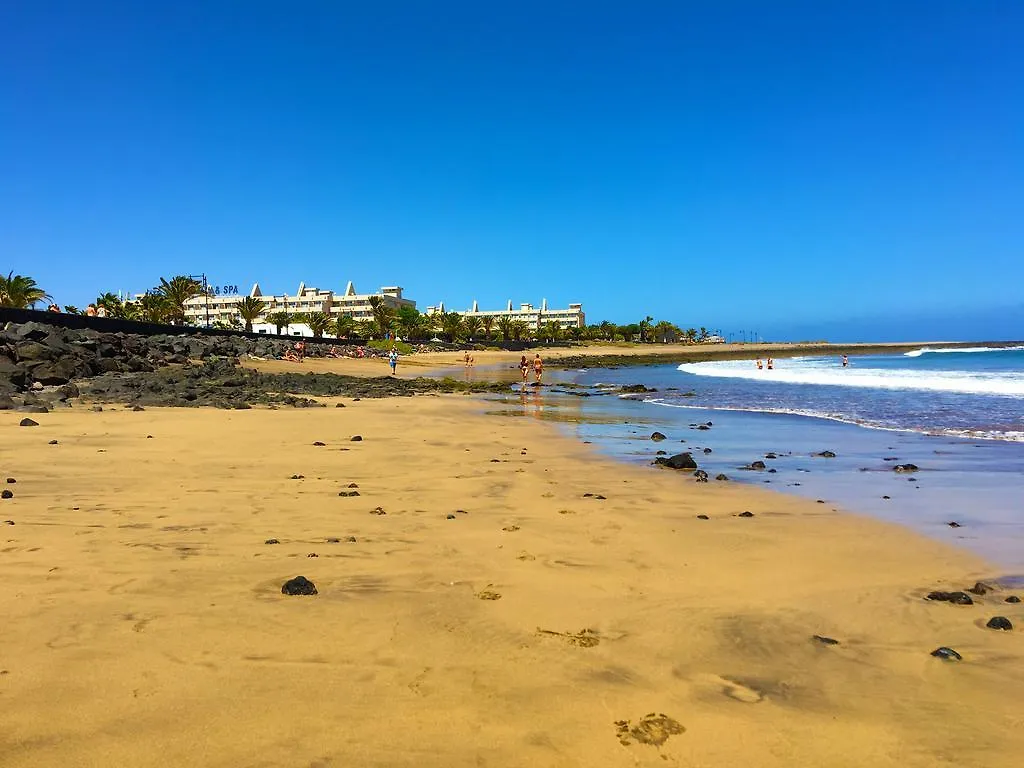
x=144, y=623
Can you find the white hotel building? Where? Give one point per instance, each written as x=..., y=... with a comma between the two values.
x=534, y=317
x=209, y=309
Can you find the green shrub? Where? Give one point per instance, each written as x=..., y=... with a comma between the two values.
x=401, y=346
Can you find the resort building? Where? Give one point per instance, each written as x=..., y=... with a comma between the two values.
x=212, y=308
x=534, y=317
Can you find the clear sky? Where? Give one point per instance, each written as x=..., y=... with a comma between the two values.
x=808, y=169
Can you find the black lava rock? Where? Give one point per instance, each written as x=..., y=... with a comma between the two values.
x=1012, y=599
x=947, y=654
x=11, y=481
x=770, y=456
x=52, y=442
x=679, y=461
x=905, y=468
x=757, y=465
x=745, y=514
x=956, y=598
x=999, y=622
x=271, y=541
x=703, y=517
x=6, y=494
x=825, y=640
x=700, y=476
x=723, y=478
x=28, y=423
x=348, y=493
x=980, y=588
x=357, y=438
x=450, y=517
x=657, y=436
x=826, y=455
x=300, y=585
x=319, y=444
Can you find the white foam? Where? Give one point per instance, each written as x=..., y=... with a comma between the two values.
x=946, y=350
x=828, y=373
x=977, y=434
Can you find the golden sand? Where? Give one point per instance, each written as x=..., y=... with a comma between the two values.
x=143, y=622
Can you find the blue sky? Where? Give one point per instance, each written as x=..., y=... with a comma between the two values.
x=807, y=169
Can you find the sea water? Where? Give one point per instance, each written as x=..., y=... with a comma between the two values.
x=958, y=415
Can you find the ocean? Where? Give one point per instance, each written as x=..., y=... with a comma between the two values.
x=956, y=414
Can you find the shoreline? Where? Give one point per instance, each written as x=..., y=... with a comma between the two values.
x=594, y=355
x=452, y=626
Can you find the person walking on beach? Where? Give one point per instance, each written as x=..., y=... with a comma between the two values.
x=524, y=368
x=393, y=361
x=760, y=365
x=846, y=361
x=538, y=368
x=771, y=363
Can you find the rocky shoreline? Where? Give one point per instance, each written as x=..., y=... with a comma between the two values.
x=44, y=366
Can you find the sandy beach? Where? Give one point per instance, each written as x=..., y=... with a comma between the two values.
x=475, y=606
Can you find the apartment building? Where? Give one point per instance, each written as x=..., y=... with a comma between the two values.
x=534, y=317
x=205, y=309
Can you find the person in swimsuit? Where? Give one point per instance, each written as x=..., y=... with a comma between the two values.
x=771, y=363
x=524, y=368
x=393, y=360
x=760, y=365
x=846, y=361
x=538, y=368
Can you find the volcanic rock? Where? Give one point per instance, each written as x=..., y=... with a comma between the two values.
x=657, y=436
x=300, y=585
x=947, y=654
x=999, y=622
x=905, y=468
x=28, y=423
x=679, y=461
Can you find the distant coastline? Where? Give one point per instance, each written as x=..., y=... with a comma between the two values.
x=606, y=356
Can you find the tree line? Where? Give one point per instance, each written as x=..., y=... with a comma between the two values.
x=166, y=304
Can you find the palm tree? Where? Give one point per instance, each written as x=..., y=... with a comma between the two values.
x=279, y=320
x=607, y=330
x=154, y=308
x=20, y=292
x=112, y=303
x=505, y=323
x=383, y=315
x=318, y=323
x=551, y=331
x=249, y=309
x=366, y=328
x=702, y=335
x=645, y=328
x=520, y=330
x=343, y=325
x=451, y=325
x=471, y=327
x=71, y=309
x=663, y=330
x=408, y=322
x=177, y=291
x=487, y=324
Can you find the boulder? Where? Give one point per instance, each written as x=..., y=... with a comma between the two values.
x=905, y=468
x=757, y=465
x=700, y=476
x=300, y=585
x=679, y=461
x=657, y=437
x=826, y=455
x=999, y=622
x=28, y=423
x=947, y=654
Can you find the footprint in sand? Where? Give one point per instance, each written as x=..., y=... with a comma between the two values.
x=653, y=729
x=740, y=692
